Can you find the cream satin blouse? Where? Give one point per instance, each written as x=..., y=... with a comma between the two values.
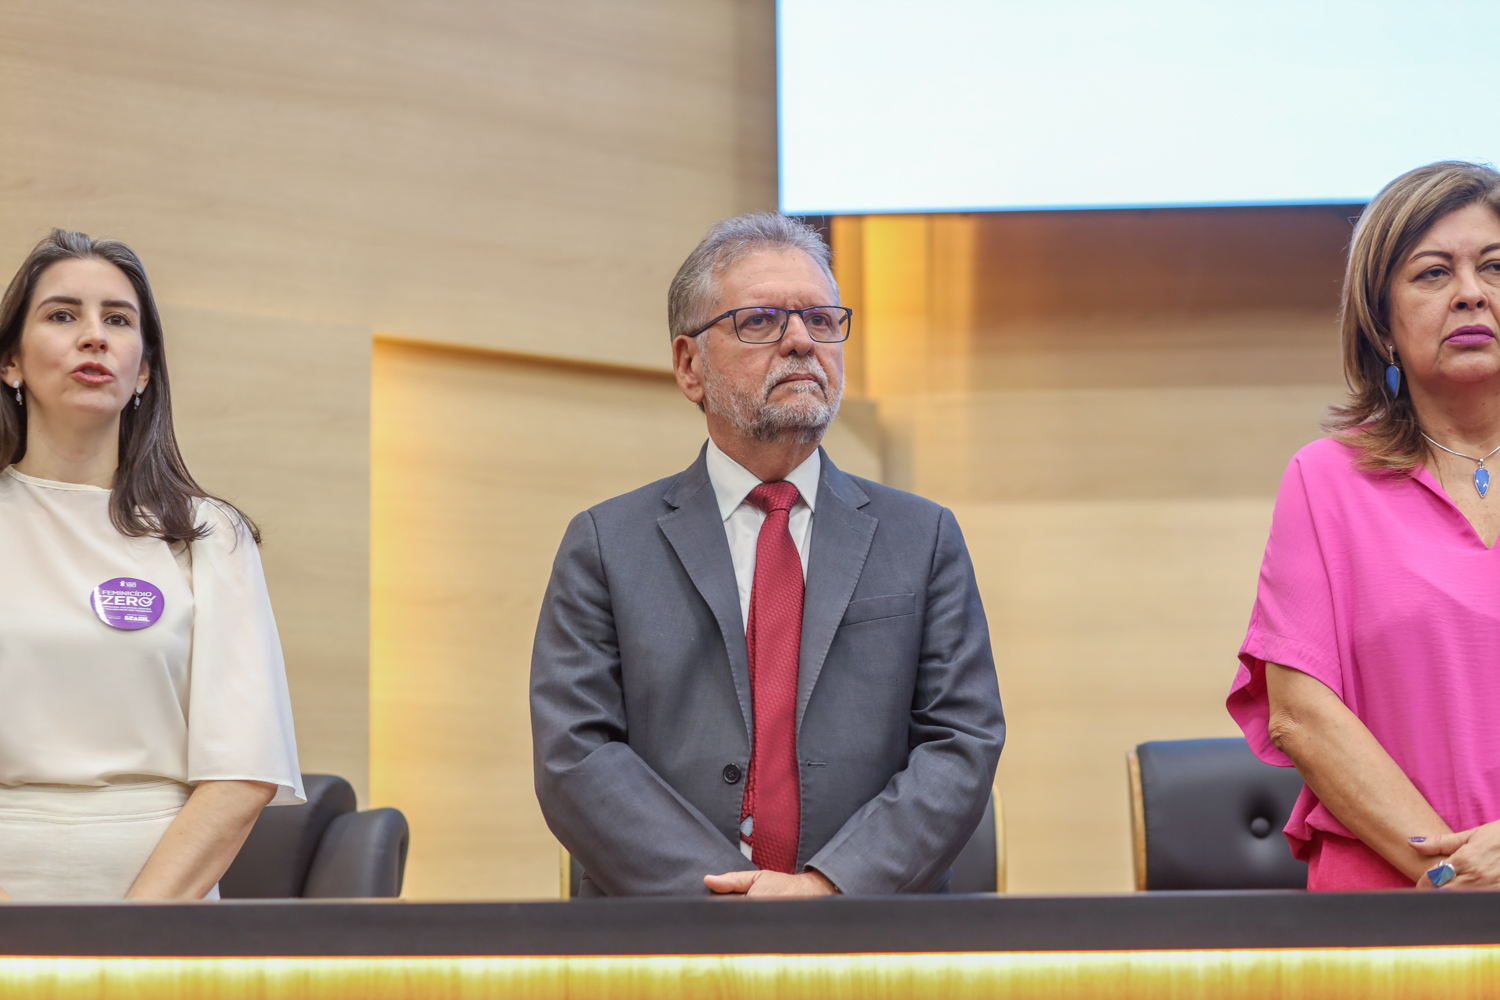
x=199, y=694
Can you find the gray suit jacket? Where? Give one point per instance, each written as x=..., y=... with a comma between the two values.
x=640, y=691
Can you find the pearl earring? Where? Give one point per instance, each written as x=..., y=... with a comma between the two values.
x=16, y=385
x=138, y=390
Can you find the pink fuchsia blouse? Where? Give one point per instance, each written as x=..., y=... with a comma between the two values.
x=1378, y=586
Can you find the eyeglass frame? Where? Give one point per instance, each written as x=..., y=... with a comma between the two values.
x=847, y=326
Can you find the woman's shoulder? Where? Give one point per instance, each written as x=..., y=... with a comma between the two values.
x=1329, y=463
x=1327, y=454
x=1326, y=473
x=223, y=526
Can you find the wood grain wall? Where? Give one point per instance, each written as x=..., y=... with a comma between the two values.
x=290, y=444
x=525, y=175
x=480, y=461
x=1107, y=401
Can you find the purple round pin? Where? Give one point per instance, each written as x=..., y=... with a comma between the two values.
x=126, y=603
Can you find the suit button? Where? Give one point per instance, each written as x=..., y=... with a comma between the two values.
x=732, y=774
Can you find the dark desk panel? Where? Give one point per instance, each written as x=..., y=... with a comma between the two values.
x=1145, y=922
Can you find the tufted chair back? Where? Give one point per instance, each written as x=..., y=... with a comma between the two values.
x=1207, y=814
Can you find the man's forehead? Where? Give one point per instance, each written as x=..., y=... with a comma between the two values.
x=776, y=275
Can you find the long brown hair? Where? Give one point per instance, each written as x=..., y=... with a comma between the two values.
x=1385, y=431
x=153, y=493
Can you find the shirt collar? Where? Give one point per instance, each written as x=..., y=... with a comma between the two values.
x=733, y=482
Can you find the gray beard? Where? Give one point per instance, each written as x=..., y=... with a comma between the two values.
x=803, y=419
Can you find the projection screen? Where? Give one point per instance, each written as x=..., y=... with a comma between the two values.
x=955, y=105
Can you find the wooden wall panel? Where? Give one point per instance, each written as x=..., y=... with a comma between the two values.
x=1107, y=401
x=274, y=415
x=525, y=175
x=479, y=466
x=480, y=462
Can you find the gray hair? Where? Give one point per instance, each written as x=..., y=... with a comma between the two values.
x=694, y=296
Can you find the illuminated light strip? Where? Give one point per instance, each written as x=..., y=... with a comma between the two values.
x=1325, y=973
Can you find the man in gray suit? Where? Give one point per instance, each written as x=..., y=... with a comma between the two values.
x=763, y=676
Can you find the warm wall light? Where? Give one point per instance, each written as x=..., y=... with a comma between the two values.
x=1326, y=973
x=479, y=461
x=911, y=282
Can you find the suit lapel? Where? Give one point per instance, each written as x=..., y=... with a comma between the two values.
x=841, y=537
x=696, y=532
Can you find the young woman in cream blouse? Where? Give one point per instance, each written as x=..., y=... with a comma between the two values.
x=144, y=717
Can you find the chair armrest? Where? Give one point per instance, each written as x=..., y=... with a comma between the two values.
x=361, y=856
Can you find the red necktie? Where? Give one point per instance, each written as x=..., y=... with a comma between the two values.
x=773, y=637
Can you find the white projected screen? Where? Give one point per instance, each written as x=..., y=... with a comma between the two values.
x=953, y=105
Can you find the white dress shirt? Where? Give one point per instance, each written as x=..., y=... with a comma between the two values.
x=742, y=519
x=732, y=484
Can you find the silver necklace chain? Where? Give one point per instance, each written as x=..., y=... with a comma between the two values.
x=1477, y=461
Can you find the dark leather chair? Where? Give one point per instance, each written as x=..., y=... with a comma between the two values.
x=1207, y=814
x=324, y=849
x=979, y=867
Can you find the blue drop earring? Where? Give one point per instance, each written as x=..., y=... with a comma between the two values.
x=1393, y=376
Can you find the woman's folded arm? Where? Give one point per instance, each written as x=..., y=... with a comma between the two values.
x=1349, y=771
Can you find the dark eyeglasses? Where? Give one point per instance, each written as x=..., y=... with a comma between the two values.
x=767, y=325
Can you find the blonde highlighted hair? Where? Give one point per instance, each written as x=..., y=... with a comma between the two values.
x=1384, y=430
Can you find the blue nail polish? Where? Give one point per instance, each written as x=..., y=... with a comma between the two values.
x=1418, y=840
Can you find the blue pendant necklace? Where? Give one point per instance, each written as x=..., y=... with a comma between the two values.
x=1481, y=474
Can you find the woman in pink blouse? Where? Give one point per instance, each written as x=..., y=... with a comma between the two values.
x=1372, y=662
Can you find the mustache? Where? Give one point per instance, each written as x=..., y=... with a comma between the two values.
x=791, y=365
